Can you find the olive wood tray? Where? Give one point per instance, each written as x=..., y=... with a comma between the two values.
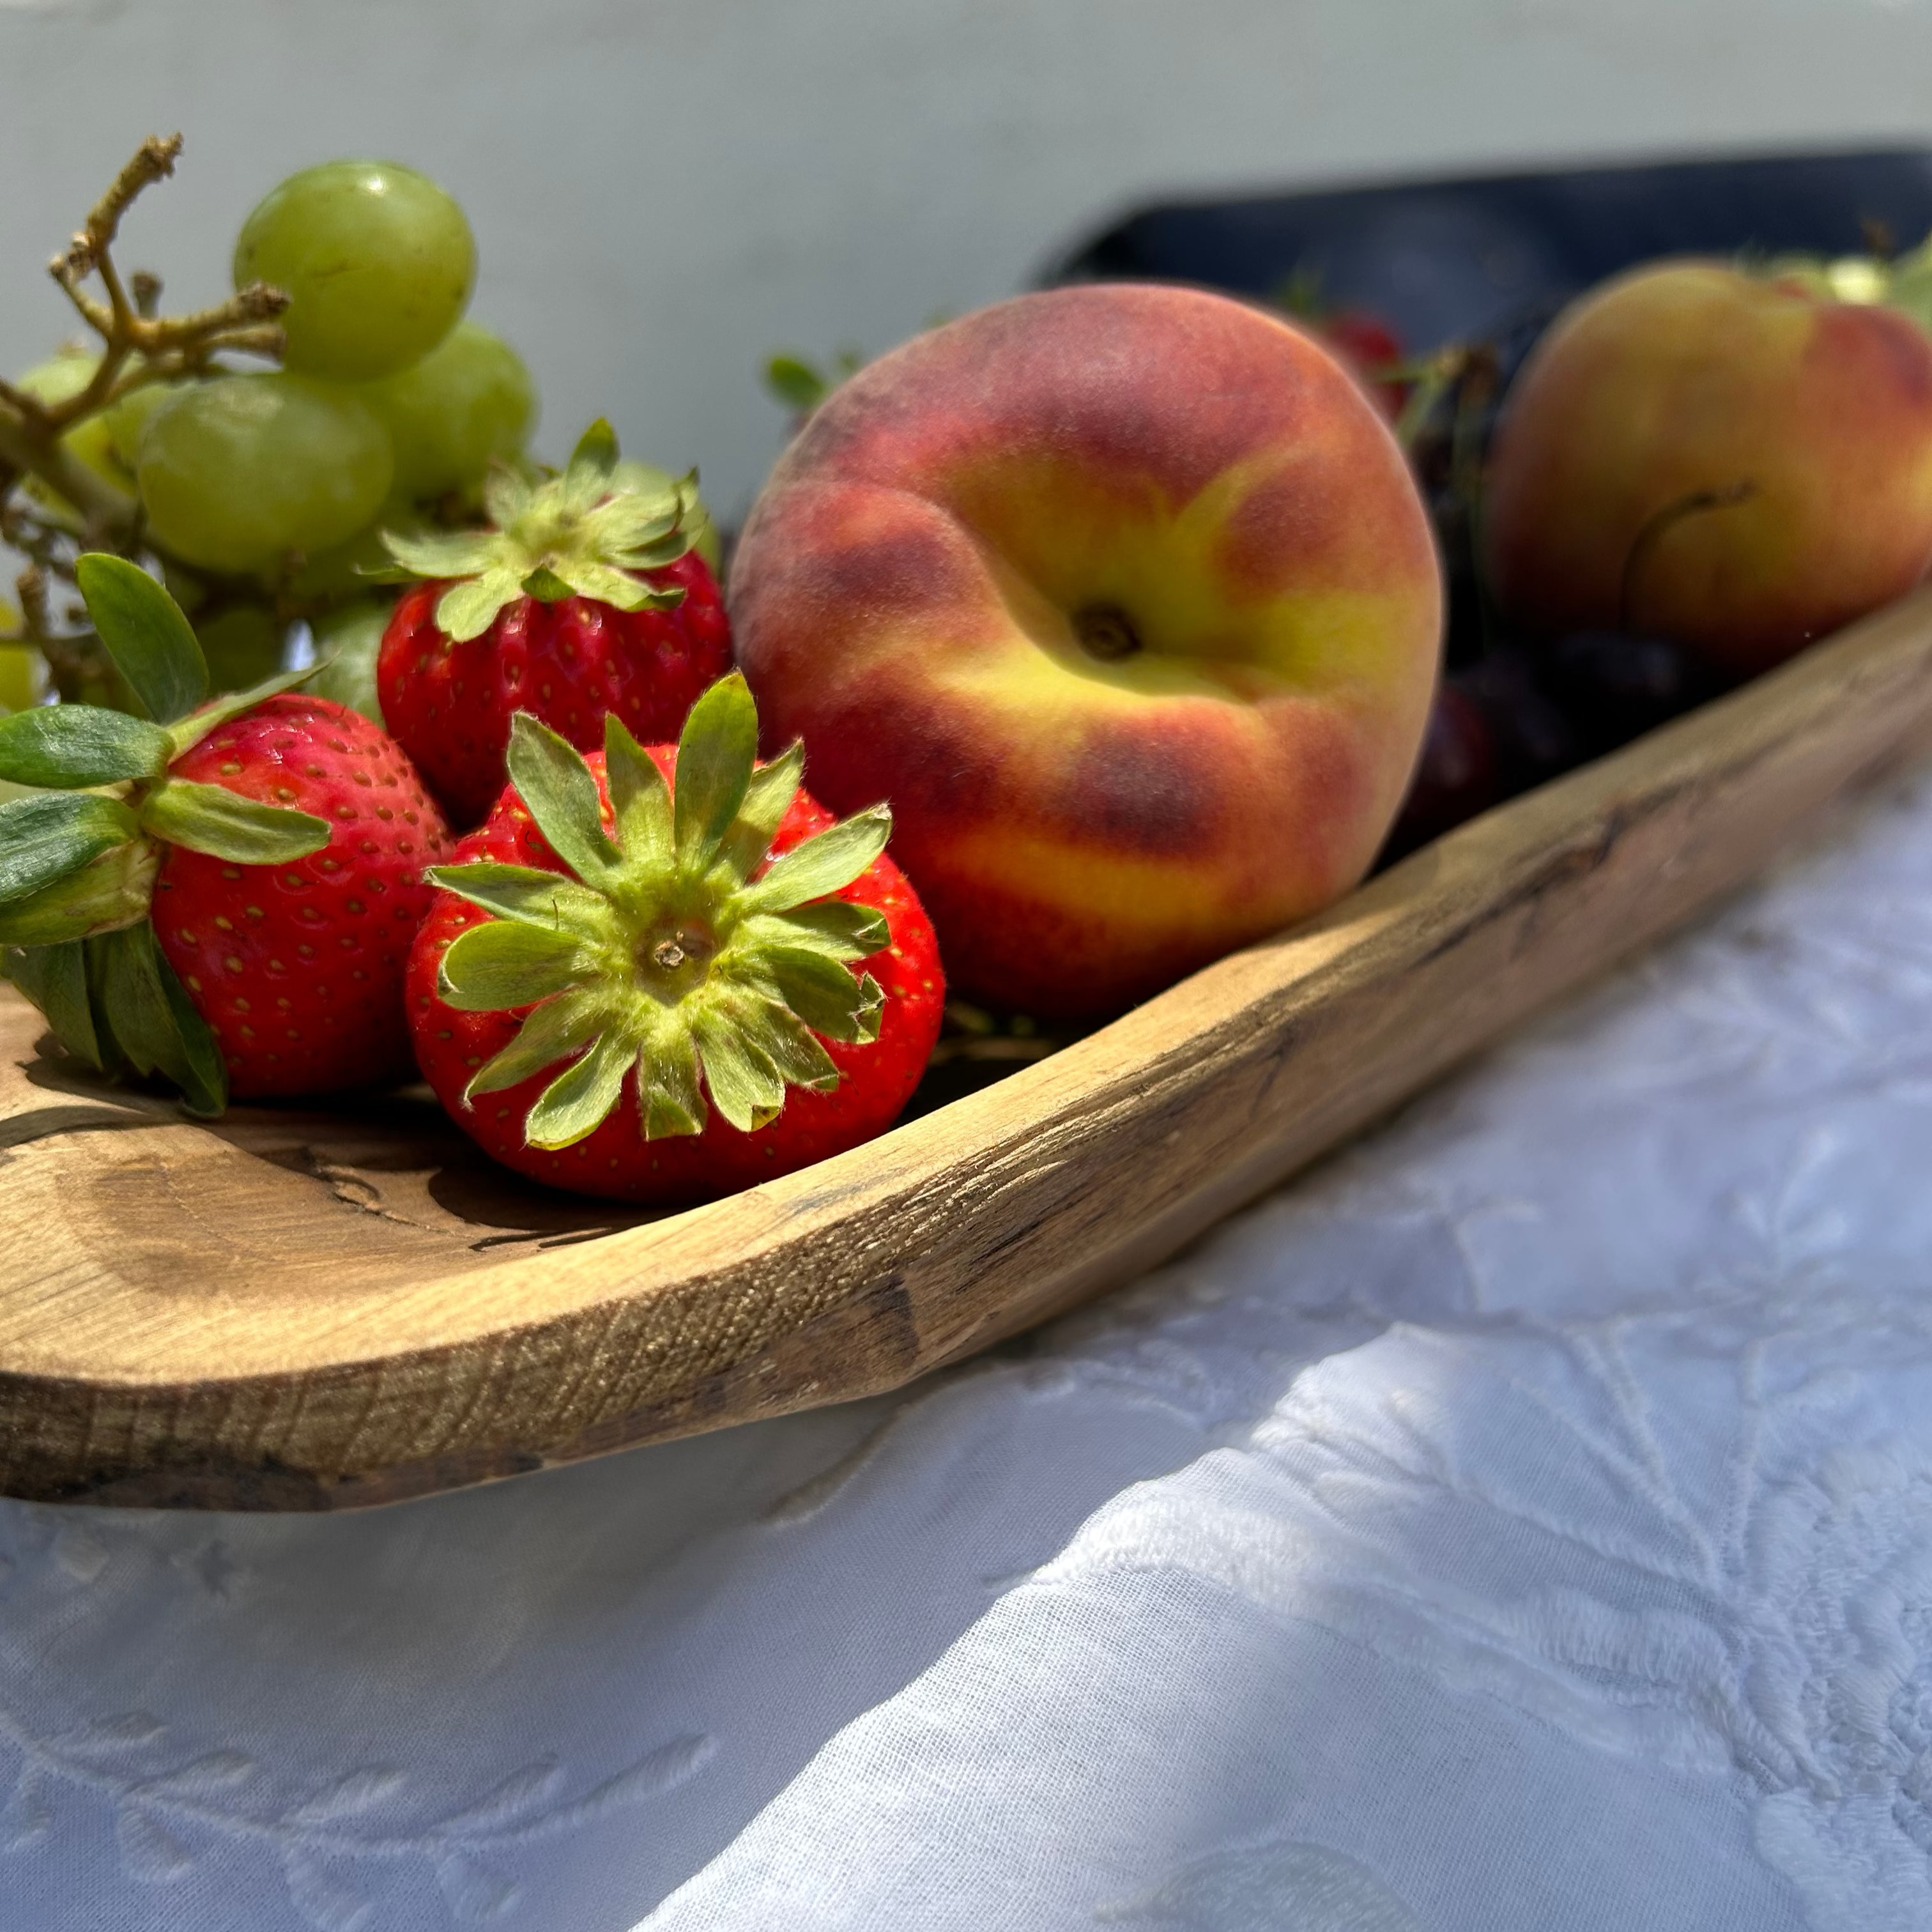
x=319, y=1309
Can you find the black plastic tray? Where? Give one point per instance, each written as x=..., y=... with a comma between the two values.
x=1455, y=260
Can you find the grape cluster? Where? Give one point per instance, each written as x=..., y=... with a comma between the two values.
x=263, y=491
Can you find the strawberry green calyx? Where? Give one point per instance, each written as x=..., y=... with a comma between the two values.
x=79, y=855
x=582, y=534
x=666, y=950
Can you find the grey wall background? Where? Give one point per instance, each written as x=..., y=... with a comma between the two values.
x=665, y=193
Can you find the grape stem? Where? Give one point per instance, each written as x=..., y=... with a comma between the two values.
x=138, y=347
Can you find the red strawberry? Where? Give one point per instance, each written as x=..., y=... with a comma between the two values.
x=586, y=600
x=299, y=967
x=1371, y=349
x=235, y=913
x=737, y=986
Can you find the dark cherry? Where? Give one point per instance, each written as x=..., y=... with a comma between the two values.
x=1534, y=739
x=1615, y=687
x=1455, y=774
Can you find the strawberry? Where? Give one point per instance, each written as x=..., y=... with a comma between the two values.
x=661, y=975
x=233, y=909
x=587, y=599
x=1373, y=350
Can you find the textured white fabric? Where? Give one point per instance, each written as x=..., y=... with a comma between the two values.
x=1522, y=1525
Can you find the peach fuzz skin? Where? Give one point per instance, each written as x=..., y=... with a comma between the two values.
x=1802, y=425
x=1123, y=598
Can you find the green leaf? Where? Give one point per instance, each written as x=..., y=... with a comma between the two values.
x=54, y=978
x=152, y=644
x=823, y=864
x=640, y=799
x=463, y=554
x=671, y=1103
x=152, y=1020
x=211, y=819
x=63, y=746
x=580, y=1100
x=46, y=837
x=501, y=966
x=827, y=996
x=715, y=756
x=468, y=609
x=530, y=895
x=778, y=1033
x=190, y=731
x=507, y=496
x=584, y=578
x=112, y=891
x=795, y=383
x=746, y=1087
x=634, y=517
x=546, y=586
x=558, y=1028
x=202, y=1076
x=587, y=480
x=767, y=799
x=837, y=928
x=560, y=793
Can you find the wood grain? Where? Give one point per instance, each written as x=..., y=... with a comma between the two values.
x=313, y=1309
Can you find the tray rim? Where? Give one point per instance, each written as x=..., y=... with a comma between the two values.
x=839, y=1265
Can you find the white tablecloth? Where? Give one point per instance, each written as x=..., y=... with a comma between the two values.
x=1523, y=1524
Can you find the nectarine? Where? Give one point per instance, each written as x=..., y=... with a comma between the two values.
x=1124, y=599
x=1739, y=462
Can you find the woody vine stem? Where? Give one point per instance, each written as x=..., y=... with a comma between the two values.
x=138, y=346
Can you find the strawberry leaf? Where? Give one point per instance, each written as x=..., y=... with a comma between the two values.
x=745, y=1083
x=507, y=496
x=822, y=865
x=190, y=731
x=211, y=819
x=530, y=894
x=767, y=799
x=555, y=785
x=825, y=995
x=44, y=838
x=462, y=554
x=587, y=480
x=581, y=577
x=54, y=979
x=555, y=1030
x=580, y=1100
x=151, y=642
x=546, y=586
x=670, y=1102
x=715, y=755
x=501, y=966
x=153, y=1022
x=468, y=609
x=66, y=746
x=113, y=890
x=635, y=517
x=836, y=928
x=639, y=800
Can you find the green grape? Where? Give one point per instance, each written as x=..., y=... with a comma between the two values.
x=61, y=377
x=376, y=261
x=127, y=422
x=346, y=642
x=468, y=401
x=647, y=478
x=238, y=473
x=243, y=645
x=346, y=570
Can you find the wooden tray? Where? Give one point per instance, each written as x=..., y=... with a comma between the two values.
x=318, y=1310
